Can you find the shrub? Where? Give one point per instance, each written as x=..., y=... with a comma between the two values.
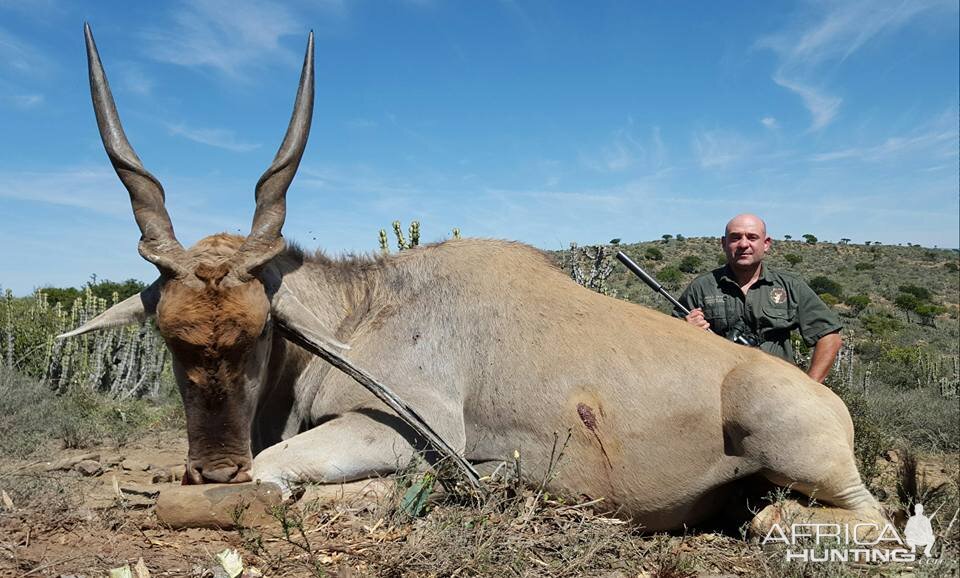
x=821, y=285
x=857, y=303
x=864, y=266
x=951, y=266
x=810, y=239
x=793, y=259
x=881, y=324
x=653, y=254
x=829, y=299
x=691, y=264
x=670, y=275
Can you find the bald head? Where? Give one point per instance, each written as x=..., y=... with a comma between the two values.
x=745, y=243
x=746, y=221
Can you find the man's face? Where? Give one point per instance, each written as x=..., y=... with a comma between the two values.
x=746, y=242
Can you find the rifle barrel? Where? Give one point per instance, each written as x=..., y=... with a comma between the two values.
x=649, y=280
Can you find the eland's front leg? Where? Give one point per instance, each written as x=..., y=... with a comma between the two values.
x=357, y=445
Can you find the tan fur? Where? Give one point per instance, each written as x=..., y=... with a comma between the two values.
x=500, y=351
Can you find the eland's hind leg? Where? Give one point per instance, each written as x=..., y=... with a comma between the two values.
x=800, y=436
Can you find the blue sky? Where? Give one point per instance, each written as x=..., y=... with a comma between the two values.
x=545, y=122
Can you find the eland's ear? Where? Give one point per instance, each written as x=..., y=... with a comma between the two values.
x=299, y=325
x=135, y=309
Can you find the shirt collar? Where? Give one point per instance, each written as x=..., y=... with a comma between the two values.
x=727, y=275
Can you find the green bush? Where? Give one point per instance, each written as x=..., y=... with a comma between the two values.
x=670, y=276
x=857, y=303
x=881, y=324
x=921, y=293
x=829, y=299
x=810, y=239
x=864, y=266
x=691, y=264
x=793, y=259
x=653, y=254
x=822, y=284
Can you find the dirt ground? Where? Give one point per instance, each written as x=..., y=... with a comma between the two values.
x=60, y=518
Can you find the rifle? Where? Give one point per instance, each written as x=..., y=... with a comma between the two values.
x=739, y=333
x=651, y=282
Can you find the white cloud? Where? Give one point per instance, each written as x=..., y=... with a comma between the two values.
x=96, y=190
x=626, y=150
x=132, y=78
x=718, y=149
x=770, y=122
x=215, y=137
x=226, y=35
x=21, y=56
x=26, y=101
x=835, y=32
x=845, y=27
x=937, y=140
x=823, y=108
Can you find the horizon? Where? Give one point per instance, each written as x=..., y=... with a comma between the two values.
x=538, y=122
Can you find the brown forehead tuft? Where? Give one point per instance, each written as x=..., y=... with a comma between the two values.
x=214, y=318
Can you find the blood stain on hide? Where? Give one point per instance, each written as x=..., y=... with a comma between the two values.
x=589, y=419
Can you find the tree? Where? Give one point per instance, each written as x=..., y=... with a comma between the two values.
x=906, y=302
x=680, y=237
x=787, y=237
x=793, y=259
x=615, y=241
x=921, y=293
x=844, y=241
x=691, y=264
x=824, y=285
x=810, y=239
x=653, y=254
x=667, y=237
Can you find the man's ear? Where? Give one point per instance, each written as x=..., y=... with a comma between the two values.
x=135, y=309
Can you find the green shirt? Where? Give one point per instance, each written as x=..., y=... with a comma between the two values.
x=774, y=305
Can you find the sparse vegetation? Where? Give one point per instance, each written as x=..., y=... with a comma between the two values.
x=898, y=374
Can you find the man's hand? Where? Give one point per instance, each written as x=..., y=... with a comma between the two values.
x=696, y=318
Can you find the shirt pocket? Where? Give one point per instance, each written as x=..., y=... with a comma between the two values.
x=716, y=315
x=775, y=316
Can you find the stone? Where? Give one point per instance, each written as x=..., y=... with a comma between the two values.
x=135, y=466
x=69, y=463
x=162, y=477
x=88, y=468
x=215, y=505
